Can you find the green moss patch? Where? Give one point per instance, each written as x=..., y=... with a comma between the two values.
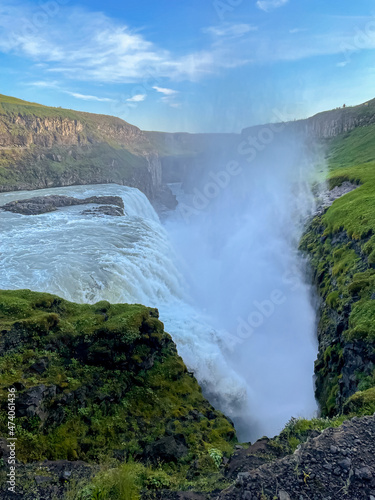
x=361, y=403
x=106, y=381
x=341, y=246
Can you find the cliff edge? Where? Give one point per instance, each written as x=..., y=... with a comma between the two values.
x=44, y=147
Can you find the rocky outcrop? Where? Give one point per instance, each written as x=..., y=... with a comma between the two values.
x=48, y=479
x=164, y=201
x=339, y=463
x=339, y=267
x=329, y=124
x=93, y=381
x=166, y=449
x=45, y=204
x=31, y=402
x=333, y=463
x=50, y=147
x=105, y=210
x=326, y=198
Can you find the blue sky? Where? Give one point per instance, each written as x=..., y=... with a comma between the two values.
x=197, y=66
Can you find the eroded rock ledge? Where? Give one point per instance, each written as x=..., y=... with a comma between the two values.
x=45, y=204
x=335, y=463
x=339, y=463
x=326, y=198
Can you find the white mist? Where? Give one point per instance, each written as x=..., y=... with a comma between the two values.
x=239, y=244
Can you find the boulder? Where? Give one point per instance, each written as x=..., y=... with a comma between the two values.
x=31, y=402
x=40, y=366
x=167, y=449
x=45, y=204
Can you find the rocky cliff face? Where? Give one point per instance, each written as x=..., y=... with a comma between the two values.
x=332, y=123
x=339, y=463
x=47, y=147
x=345, y=361
x=24, y=131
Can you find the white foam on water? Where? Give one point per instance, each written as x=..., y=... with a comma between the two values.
x=86, y=258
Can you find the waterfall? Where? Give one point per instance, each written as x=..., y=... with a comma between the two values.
x=227, y=279
x=85, y=258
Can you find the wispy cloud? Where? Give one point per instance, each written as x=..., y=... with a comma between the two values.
x=90, y=46
x=56, y=86
x=165, y=91
x=137, y=98
x=169, y=96
x=268, y=5
x=45, y=84
x=229, y=30
x=85, y=97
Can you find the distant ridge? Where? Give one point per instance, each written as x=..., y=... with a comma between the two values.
x=331, y=123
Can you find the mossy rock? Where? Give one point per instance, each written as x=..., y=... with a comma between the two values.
x=361, y=403
x=102, y=380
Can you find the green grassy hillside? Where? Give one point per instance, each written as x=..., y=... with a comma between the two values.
x=341, y=243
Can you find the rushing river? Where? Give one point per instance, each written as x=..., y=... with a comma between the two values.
x=136, y=259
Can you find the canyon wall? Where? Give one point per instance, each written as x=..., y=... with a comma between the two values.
x=331, y=123
x=47, y=147
x=44, y=147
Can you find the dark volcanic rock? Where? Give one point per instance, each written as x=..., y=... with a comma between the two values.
x=45, y=204
x=52, y=479
x=31, y=402
x=164, y=201
x=105, y=210
x=339, y=463
x=244, y=459
x=40, y=366
x=166, y=198
x=168, y=449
